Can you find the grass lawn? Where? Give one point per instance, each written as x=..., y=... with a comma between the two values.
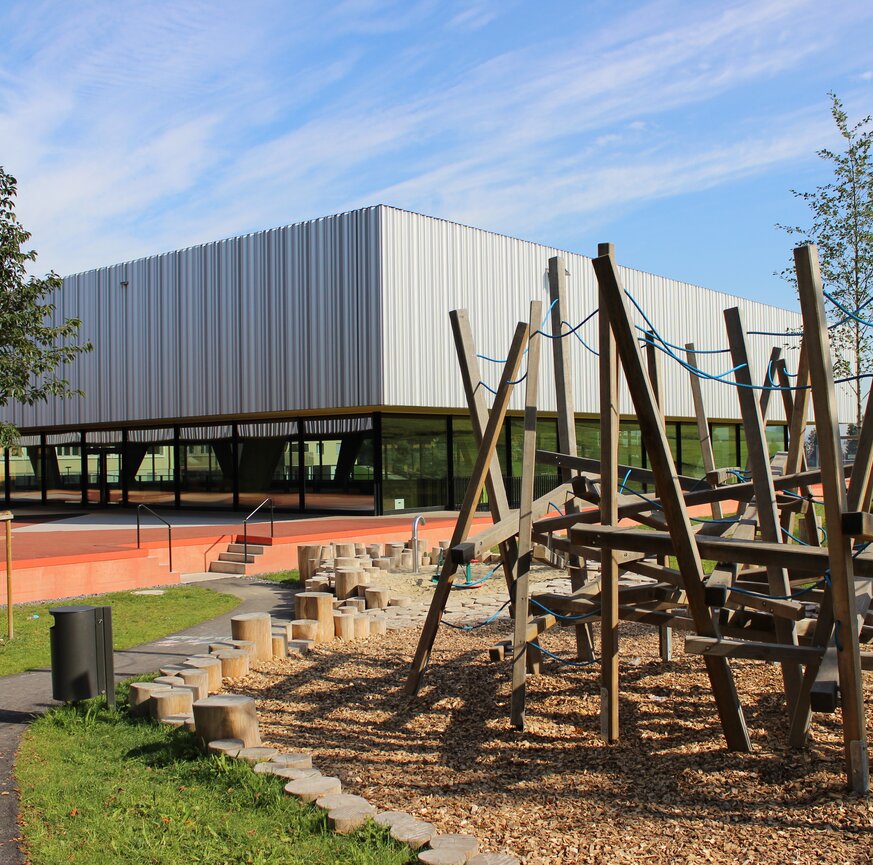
x=99, y=789
x=135, y=619
x=291, y=578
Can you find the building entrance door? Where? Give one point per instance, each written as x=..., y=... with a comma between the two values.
x=104, y=475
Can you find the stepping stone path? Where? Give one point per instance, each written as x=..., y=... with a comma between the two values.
x=494, y=859
x=256, y=754
x=229, y=747
x=467, y=845
x=414, y=833
x=310, y=789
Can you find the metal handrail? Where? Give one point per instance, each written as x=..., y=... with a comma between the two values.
x=165, y=522
x=246, y=527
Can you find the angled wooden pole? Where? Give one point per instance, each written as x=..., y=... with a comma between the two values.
x=762, y=479
x=824, y=401
x=521, y=611
x=468, y=363
x=675, y=511
x=468, y=507
x=566, y=425
x=609, y=425
x=770, y=383
x=702, y=423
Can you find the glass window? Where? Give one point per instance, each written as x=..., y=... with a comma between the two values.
x=414, y=462
x=206, y=471
x=588, y=438
x=692, y=455
x=25, y=474
x=776, y=438
x=150, y=472
x=64, y=473
x=338, y=472
x=724, y=444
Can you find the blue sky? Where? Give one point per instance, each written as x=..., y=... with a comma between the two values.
x=674, y=130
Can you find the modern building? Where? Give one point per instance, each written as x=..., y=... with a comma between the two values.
x=314, y=364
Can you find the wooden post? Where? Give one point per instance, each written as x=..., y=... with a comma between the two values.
x=762, y=479
x=675, y=511
x=566, y=426
x=480, y=471
x=810, y=290
x=521, y=612
x=609, y=424
x=702, y=423
x=7, y=518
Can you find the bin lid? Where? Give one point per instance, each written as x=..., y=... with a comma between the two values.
x=60, y=611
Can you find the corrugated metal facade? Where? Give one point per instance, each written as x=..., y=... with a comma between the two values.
x=347, y=311
x=431, y=266
x=283, y=320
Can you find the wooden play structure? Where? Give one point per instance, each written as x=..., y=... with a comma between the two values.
x=771, y=595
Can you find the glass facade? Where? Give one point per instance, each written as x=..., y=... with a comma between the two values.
x=378, y=463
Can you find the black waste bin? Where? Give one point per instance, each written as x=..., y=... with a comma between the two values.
x=81, y=646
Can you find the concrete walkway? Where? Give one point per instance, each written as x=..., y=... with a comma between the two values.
x=26, y=695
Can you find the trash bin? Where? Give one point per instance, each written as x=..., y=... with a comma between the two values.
x=81, y=650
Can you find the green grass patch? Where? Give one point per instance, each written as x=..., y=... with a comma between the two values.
x=135, y=619
x=99, y=789
x=291, y=578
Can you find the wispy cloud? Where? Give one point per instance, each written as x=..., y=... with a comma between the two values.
x=157, y=125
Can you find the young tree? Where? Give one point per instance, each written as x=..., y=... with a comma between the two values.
x=842, y=228
x=32, y=349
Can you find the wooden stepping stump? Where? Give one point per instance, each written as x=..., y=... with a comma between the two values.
x=234, y=663
x=316, y=584
x=414, y=833
x=139, y=696
x=357, y=604
x=468, y=845
x=346, y=551
x=376, y=597
x=257, y=754
x=179, y=721
x=346, y=820
x=378, y=626
x=257, y=627
x=212, y=667
x=310, y=789
x=361, y=626
x=246, y=646
x=392, y=818
x=197, y=679
x=494, y=859
x=383, y=563
x=171, y=669
x=399, y=601
x=228, y=747
x=170, y=681
x=406, y=560
x=342, y=800
x=299, y=647
x=344, y=625
x=346, y=582
x=443, y=856
x=176, y=701
x=304, y=629
x=374, y=551
x=294, y=760
x=317, y=606
x=227, y=716
x=280, y=646
x=291, y=773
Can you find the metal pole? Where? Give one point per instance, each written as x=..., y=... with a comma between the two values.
x=9, y=627
x=170, y=545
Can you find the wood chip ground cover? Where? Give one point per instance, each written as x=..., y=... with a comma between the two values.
x=669, y=792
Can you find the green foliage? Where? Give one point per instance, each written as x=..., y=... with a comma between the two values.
x=842, y=228
x=136, y=619
x=33, y=349
x=99, y=789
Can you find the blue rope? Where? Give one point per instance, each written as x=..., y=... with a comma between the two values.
x=799, y=593
x=517, y=381
x=478, y=582
x=848, y=313
x=564, y=618
x=793, y=537
x=487, y=621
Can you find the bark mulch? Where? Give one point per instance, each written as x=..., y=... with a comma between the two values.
x=668, y=792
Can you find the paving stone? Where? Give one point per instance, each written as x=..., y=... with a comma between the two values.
x=342, y=800
x=310, y=789
x=348, y=819
x=256, y=755
x=494, y=859
x=391, y=818
x=415, y=833
x=466, y=844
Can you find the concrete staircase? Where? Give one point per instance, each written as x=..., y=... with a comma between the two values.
x=236, y=562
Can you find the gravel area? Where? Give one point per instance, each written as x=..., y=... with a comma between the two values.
x=669, y=792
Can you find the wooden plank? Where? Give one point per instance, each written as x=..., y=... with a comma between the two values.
x=658, y=450
x=726, y=648
x=770, y=383
x=834, y=492
x=762, y=479
x=724, y=574
x=702, y=423
x=480, y=470
x=608, y=371
x=521, y=605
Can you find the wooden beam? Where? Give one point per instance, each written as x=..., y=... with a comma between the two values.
x=468, y=507
x=658, y=450
x=702, y=423
x=725, y=648
x=521, y=606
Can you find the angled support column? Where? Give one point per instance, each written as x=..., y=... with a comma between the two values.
x=702, y=423
x=675, y=511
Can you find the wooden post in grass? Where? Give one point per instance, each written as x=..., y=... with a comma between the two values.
x=7, y=517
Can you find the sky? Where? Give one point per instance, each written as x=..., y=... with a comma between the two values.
x=675, y=130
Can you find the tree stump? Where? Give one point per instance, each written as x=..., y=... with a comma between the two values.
x=280, y=645
x=180, y=721
x=234, y=664
x=376, y=598
x=374, y=551
x=317, y=606
x=310, y=789
x=176, y=701
x=256, y=754
x=317, y=584
x=347, y=581
x=361, y=626
x=227, y=716
x=139, y=696
x=229, y=747
x=212, y=667
x=383, y=563
x=345, y=551
x=197, y=679
x=344, y=625
x=406, y=560
x=246, y=646
x=304, y=629
x=378, y=625
x=357, y=604
x=257, y=627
